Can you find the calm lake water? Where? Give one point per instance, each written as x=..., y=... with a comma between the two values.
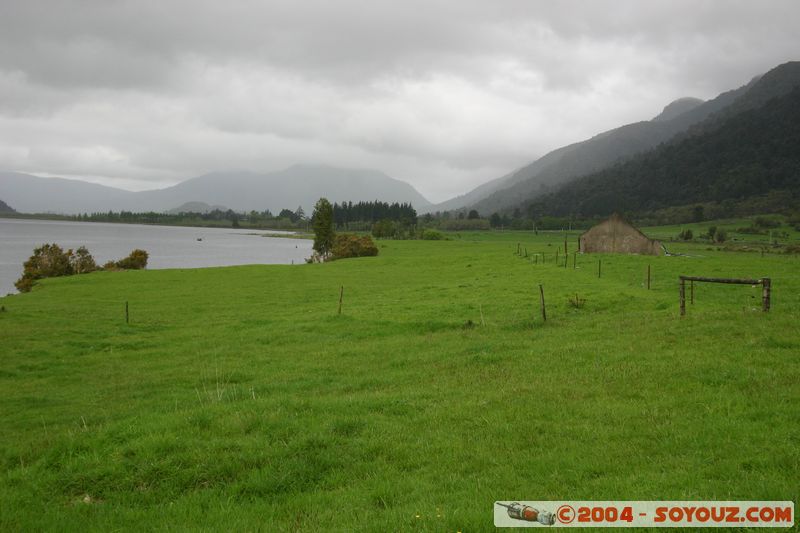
x=168, y=246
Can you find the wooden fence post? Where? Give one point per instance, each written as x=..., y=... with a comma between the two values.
x=341, y=294
x=541, y=296
x=648, y=277
x=126, y=312
x=683, y=296
x=766, y=285
x=598, y=268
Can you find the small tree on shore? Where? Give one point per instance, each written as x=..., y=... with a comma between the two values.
x=50, y=261
x=82, y=261
x=322, y=222
x=137, y=260
x=47, y=261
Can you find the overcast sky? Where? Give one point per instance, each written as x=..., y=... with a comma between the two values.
x=446, y=95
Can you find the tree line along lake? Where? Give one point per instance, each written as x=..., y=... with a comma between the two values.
x=168, y=246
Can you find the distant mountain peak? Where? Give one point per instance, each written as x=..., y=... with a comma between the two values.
x=677, y=107
x=5, y=208
x=299, y=185
x=196, y=207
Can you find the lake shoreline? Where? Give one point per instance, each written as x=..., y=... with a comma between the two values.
x=243, y=225
x=168, y=246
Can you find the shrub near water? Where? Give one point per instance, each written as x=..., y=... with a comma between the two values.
x=82, y=261
x=137, y=260
x=50, y=261
x=348, y=245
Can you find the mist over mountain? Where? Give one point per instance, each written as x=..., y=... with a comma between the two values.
x=32, y=194
x=750, y=150
x=299, y=185
x=677, y=107
x=601, y=151
x=195, y=207
x=302, y=185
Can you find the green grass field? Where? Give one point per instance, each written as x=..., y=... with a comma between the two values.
x=237, y=399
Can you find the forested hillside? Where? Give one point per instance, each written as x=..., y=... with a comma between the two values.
x=747, y=154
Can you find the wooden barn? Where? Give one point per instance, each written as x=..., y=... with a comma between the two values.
x=617, y=236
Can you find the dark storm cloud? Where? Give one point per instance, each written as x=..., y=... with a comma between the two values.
x=442, y=94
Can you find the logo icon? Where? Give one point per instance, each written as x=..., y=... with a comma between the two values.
x=527, y=513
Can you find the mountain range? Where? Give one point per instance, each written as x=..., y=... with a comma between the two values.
x=736, y=158
x=685, y=116
x=614, y=168
x=299, y=185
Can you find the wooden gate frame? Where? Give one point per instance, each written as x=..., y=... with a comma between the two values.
x=766, y=284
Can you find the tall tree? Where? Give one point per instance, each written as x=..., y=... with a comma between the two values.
x=322, y=222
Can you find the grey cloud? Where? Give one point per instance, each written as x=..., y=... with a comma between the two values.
x=441, y=93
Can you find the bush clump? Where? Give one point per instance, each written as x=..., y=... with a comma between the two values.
x=137, y=260
x=51, y=261
x=384, y=229
x=766, y=223
x=751, y=230
x=432, y=235
x=47, y=261
x=348, y=245
x=792, y=249
x=82, y=261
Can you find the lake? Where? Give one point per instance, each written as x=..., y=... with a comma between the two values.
x=168, y=246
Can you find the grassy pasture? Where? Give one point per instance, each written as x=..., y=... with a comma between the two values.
x=237, y=398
